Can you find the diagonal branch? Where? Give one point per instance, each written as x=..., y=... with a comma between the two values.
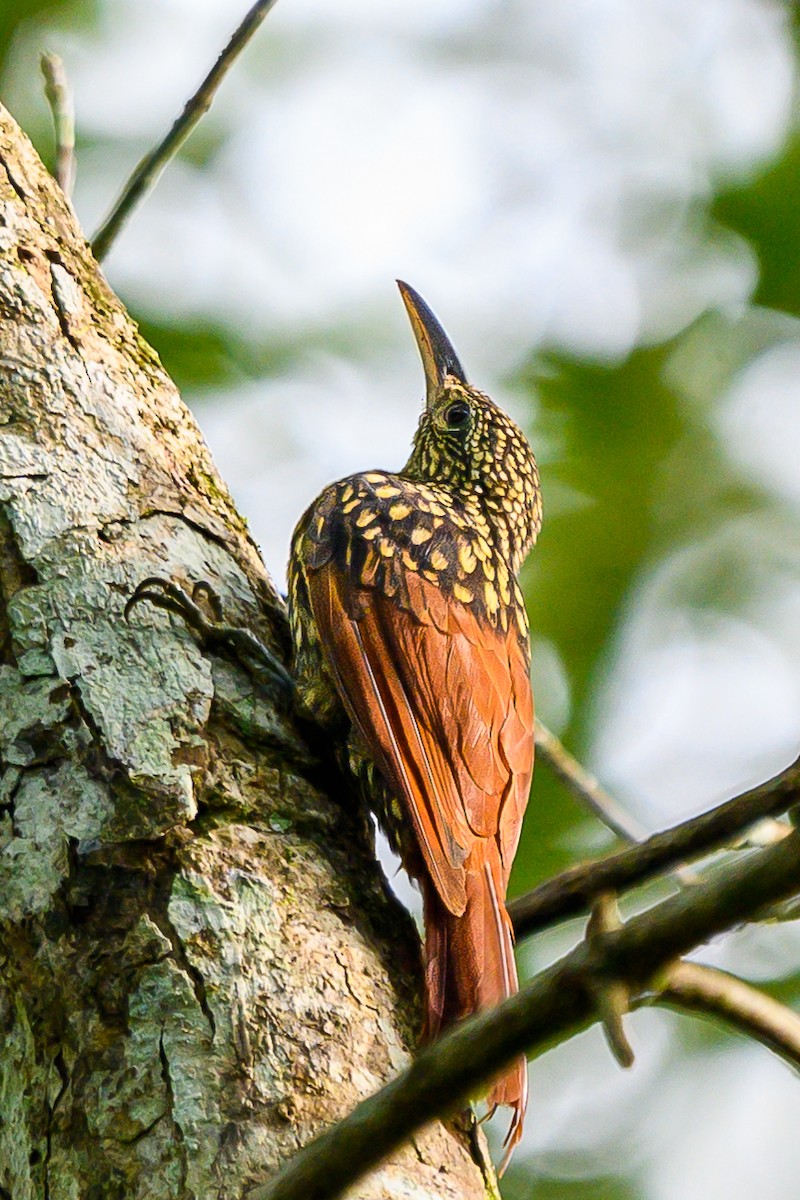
x=686, y=986
x=556, y=1004
x=148, y=170
x=691, y=987
x=575, y=889
x=585, y=786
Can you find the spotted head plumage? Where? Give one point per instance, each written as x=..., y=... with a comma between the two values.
x=466, y=444
x=463, y=512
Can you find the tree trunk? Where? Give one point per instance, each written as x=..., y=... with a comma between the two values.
x=200, y=964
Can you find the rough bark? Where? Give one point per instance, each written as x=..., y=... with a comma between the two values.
x=200, y=964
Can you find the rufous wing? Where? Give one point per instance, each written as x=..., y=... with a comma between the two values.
x=443, y=703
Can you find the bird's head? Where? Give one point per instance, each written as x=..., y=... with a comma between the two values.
x=467, y=444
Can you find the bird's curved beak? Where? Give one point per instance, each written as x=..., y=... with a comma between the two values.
x=439, y=359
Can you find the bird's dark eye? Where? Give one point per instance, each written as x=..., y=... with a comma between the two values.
x=457, y=415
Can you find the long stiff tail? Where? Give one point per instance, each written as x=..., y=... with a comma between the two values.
x=469, y=966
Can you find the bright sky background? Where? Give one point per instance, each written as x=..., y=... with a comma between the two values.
x=539, y=172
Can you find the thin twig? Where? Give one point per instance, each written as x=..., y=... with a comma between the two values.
x=148, y=170
x=691, y=987
x=575, y=889
x=62, y=108
x=586, y=787
x=612, y=996
x=686, y=986
x=591, y=793
x=551, y=1007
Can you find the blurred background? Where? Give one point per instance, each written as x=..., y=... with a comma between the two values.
x=599, y=199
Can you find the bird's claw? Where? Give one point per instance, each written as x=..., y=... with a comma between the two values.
x=204, y=588
x=251, y=653
x=163, y=593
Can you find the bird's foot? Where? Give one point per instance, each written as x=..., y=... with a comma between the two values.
x=212, y=630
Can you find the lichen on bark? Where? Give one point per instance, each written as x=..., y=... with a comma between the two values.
x=200, y=964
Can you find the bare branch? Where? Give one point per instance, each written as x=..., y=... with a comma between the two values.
x=691, y=987
x=575, y=889
x=149, y=169
x=612, y=996
x=687, y=987
x=59, y=97
x=553, y=1006
x=590, y=792
x=586, y=787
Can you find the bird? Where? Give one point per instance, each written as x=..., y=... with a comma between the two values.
x=409, y=629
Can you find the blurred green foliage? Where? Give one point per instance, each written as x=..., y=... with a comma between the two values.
x=766, y=212
x=524, y=1186
x=14, y=15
